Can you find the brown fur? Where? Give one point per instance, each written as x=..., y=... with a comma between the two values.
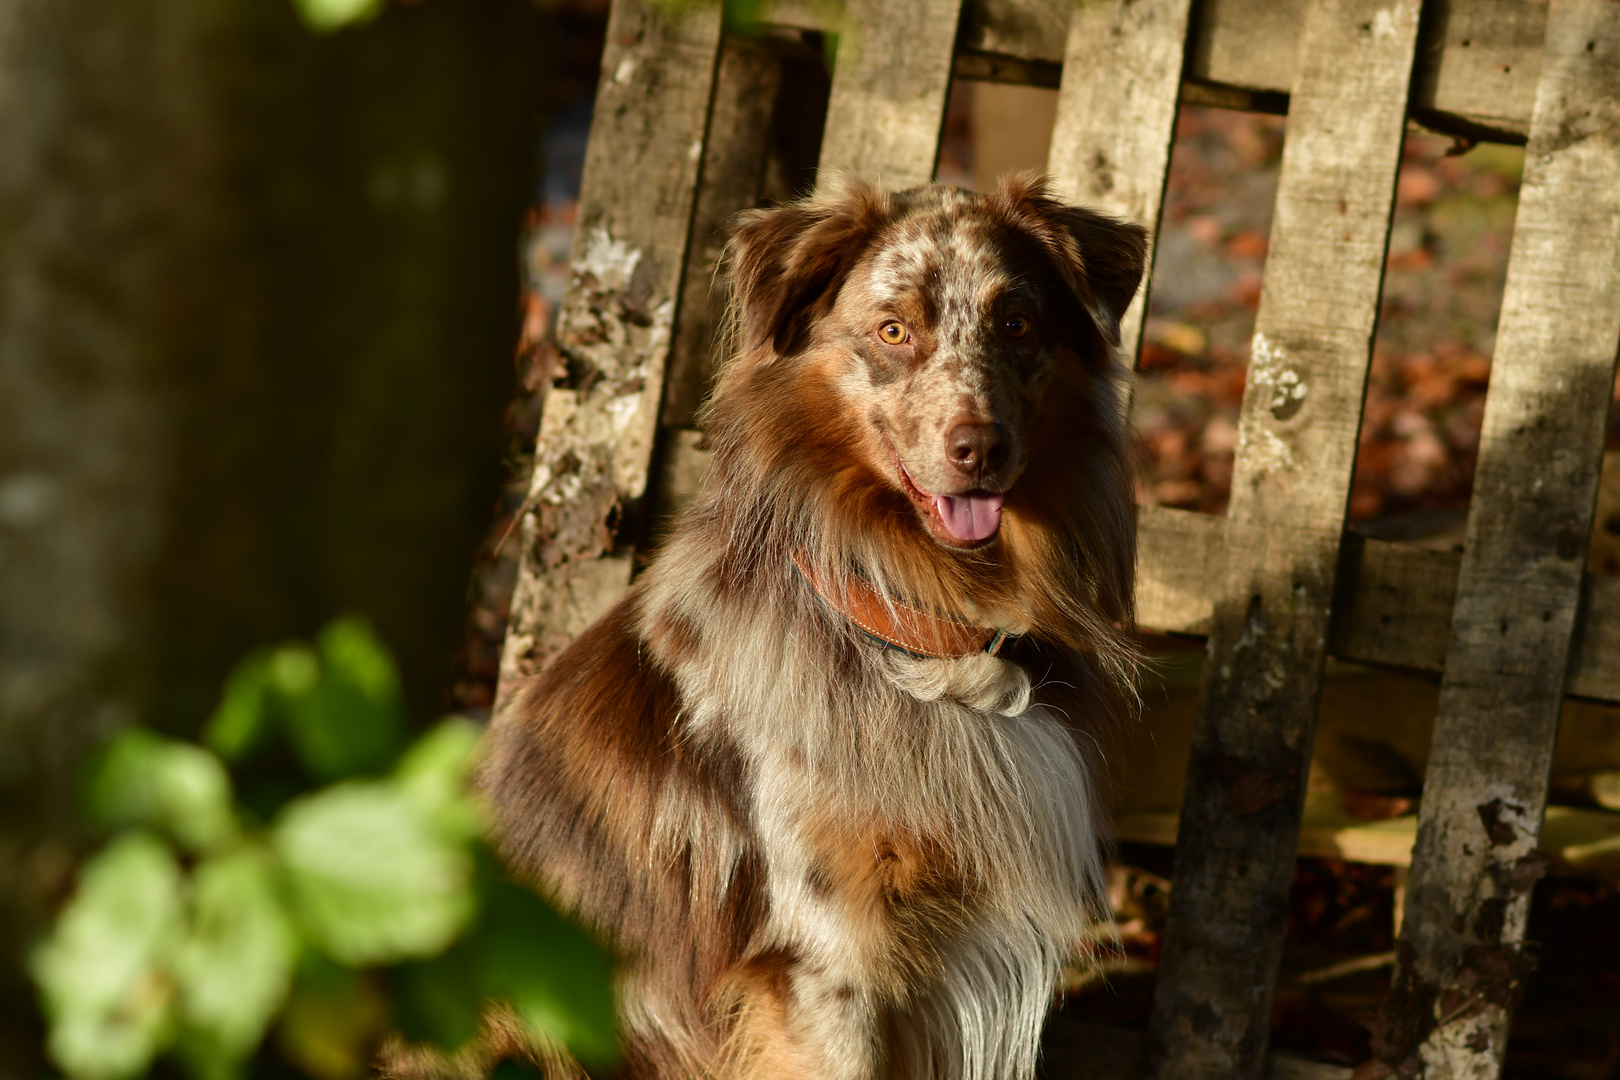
x=821, y=858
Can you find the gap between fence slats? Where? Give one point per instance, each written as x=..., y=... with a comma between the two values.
x=596, y=437
x=1297, y=442
x=1519, y=585
x=1116, y=117
x=890, y=81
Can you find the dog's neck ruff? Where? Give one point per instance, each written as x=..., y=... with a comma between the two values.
x=900, y=626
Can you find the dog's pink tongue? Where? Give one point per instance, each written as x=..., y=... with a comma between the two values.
x=969, y=517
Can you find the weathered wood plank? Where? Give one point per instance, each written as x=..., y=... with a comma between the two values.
x=1033, y=29
x=596, y=438
x=994, y=67
x=1291, y=481
x=1116, y=116
x=1253, y=44
x=1394, y=606
x=1518, y=590
x=889, y=86
x=1479, y=64
x=1594, y=663
x=1578, y=842
x=1475, y=75
x=1178, y=562
x=733, y=168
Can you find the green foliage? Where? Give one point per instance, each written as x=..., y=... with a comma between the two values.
x=372, y=875
x=554, y=976
x=234, y=967
x=173, y=787
x=364, y=906
x=325, y=16
x=338, y=705
x=101, y=975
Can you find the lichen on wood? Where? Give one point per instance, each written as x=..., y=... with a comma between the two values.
x=614, y=329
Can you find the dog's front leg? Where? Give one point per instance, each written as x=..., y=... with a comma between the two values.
x=834, y=1020
x=817, y=991
x=798, y=1019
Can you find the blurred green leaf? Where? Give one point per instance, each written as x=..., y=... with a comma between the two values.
x=552, y=973
x=144, y=779
x=270, y=927
x=246, y=712
x=325, y=16
x=235, y=965
x=374, y=876
x=294, y=669
x=352, y=653
x=101, y=973
x=434, y=773
x=344, y=711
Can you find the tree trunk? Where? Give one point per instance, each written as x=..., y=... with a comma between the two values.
x=256, y=316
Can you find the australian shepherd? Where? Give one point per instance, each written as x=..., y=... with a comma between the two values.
x=826, y=775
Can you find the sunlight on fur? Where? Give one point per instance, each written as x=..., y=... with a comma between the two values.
x=986, y=683
x=829, y=839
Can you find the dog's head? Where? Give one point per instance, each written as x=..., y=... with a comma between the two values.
x=940, y=320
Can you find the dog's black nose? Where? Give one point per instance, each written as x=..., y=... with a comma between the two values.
x=976, y=447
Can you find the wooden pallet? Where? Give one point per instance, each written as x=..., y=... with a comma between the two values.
x=1512, y=624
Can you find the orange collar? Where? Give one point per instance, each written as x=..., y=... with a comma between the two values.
x=898, y=625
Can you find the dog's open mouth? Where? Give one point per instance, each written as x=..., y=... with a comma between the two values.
x=967, y=518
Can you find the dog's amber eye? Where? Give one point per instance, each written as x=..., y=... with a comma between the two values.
x=893, y=333
x=1016, y=326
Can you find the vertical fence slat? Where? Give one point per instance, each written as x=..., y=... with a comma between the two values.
x=1297, y=440
x=733, y=168
x=596, y=438
x=1116, y=118
x=889, y=85
x=1475, y=863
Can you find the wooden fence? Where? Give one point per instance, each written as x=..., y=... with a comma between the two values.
x=1513, y=624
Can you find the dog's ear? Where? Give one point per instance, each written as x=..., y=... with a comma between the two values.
x=786, y=263
x=1099, y=258
x=1113, y=254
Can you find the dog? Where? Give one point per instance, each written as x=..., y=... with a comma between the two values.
x=827, y=775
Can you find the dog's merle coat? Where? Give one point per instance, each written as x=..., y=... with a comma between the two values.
x=821, y=857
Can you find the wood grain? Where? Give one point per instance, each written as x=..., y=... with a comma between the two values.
x=1594, y=663
x=1116, y=117
x=1253, y=44
x=1394, y=604
x=614, y=327
x=1479, y=64
x=1297, y=442
x=1519, y=585
x=1178, y=559
x=733, y=169
x=1579, y=842
x=889, y=86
